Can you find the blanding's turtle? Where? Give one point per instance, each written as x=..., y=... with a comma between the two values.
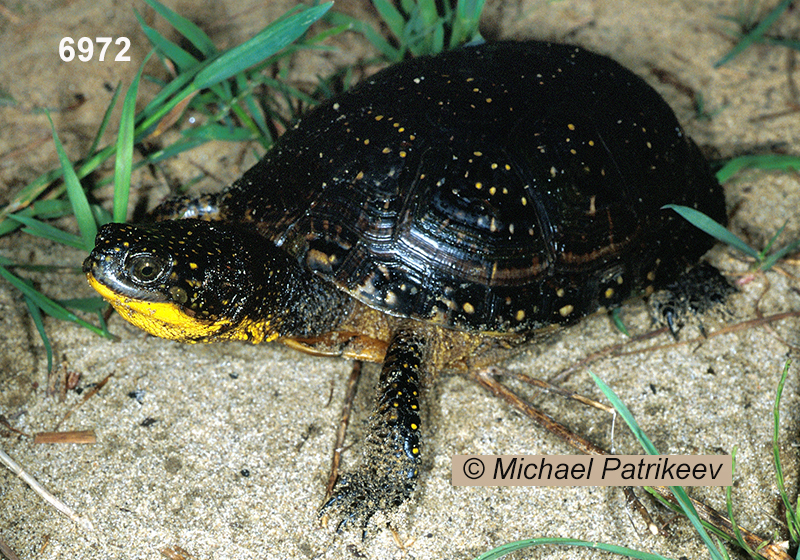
x=436, y=217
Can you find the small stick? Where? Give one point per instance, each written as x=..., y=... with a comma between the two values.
x=6, y=551
x=550, y=388
x=347, y=408
x=85, y=398
x=44, y=493
x=84, y=436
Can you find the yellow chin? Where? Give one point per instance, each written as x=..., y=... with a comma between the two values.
x=167, y=320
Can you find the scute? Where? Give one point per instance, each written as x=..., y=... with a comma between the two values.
x=502, y=187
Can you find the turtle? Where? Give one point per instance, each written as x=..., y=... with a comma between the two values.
x=436, y=218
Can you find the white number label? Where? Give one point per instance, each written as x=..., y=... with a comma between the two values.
x=86, y=50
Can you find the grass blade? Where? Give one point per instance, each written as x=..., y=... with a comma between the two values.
x=706, y=224
x=48, y=305
x=80, y=205
x=268, y=42
x=123, y=162
x=381, y=45
x=770, y=261
x=466, y=22
x=755, y=34
x=36, y=315
x=779, y=162
x=190, y=31
x=501, y=551
x=105, y=121
x=213, y=131
x=182, y=59
x=391, y=16
x=729, y=504
x=791, y=513
x=647, y=445
x=41, y=229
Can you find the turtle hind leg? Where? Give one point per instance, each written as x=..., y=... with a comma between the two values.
x=695, y=292
x=387, y=474
x=205, y=207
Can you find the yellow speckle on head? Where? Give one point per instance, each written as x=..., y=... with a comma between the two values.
x=571, y=126
x=492, y=190
x=488, y=100
x=403, y=154
x=478, y=185
x=468, y=308
x=477, y=154
x=566, y=310
x=609, y=293
x=520, y=315
x=620, y=280
x=193, y=266
x=651, y=276
x=560, y=292
x=366, y=142
x=494, y=166
x=524, y=201
x=378, y=117
x=386, y=150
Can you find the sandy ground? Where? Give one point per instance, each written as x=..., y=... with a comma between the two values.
x=215, y=412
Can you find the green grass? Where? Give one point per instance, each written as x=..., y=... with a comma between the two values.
x=752, y=31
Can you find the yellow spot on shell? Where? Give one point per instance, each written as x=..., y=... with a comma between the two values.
x=520, y=315
x=609, y=293
x=468, y=308
x=566, y=310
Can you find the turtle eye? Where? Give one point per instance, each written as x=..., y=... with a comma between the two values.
x=146, y=268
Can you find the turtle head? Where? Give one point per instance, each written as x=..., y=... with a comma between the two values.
x=190, y=280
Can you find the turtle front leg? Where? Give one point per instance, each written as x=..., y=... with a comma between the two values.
x=387, y=473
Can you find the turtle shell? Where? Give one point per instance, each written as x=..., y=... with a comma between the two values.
x=496, y=188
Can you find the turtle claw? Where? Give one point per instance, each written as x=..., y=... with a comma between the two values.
x=352, y=501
